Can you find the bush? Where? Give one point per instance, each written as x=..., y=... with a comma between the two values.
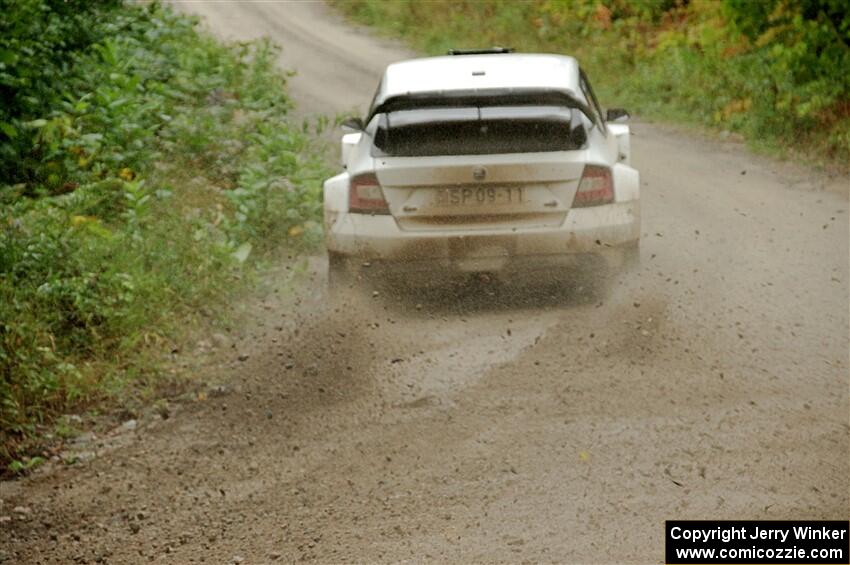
x=777, y=71
x=39, y=43
x=145, y=177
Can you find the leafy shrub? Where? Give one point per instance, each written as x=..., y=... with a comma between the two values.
x=39, y=42
x=144, y=174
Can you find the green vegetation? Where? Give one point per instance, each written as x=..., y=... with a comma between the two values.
x=776, y=71
x=144, y=167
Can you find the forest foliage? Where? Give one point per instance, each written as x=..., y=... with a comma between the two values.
x=144, y=166
x=775, y=71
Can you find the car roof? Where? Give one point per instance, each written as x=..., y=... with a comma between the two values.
x=519, y=71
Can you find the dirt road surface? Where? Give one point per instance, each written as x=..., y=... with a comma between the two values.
x=519, y=427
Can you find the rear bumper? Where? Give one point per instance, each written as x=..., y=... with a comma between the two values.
x=606, y=233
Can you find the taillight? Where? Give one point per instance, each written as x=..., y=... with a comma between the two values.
x=596, y=187
x=365, y=195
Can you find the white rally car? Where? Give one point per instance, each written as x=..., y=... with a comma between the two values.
x=483, y=161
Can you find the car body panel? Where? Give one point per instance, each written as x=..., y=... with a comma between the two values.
x=524, y=189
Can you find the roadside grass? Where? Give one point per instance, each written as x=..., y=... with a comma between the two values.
x=776, y=73
x=162, y=175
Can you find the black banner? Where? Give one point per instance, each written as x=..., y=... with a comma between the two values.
x=742, y=542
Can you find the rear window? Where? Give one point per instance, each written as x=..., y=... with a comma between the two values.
x=477, y=130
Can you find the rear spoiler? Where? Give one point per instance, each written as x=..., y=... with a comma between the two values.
x=481, y=97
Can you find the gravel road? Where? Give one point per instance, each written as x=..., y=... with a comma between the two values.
x=498, y=425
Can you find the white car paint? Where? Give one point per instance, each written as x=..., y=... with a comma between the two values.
x=466, y=72
x=419, y=237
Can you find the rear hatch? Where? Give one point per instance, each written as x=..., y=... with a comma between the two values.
x=487, y=165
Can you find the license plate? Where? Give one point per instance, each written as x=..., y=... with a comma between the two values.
x=480, y=196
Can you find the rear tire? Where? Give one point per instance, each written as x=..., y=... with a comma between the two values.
x=339, y=276
x=629, y=263
x=631, y=258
